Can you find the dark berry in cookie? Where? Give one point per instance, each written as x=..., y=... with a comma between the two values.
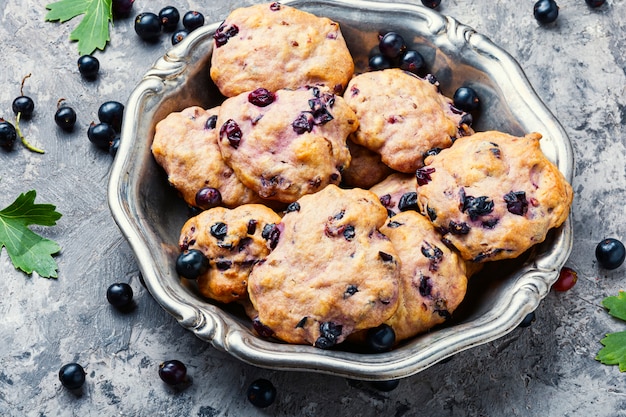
x=381, y=338
x=516, y=202
x=271, y=233
x=208, y=197
x=423, y=175
x=232, y=131
x=224, y=33
x=329, y=332
x=408, y=201
x=191, y=264
x=610, y=253
x=261, y=97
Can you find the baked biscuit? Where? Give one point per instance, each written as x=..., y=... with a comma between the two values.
x=365, y=170
x=493, y=195
x=286, y=144
x=233, y=240
x=432, y=276
x=185, y=145
x=332, y=272
x=277, y=46
x=402, y=117
x=397, y=193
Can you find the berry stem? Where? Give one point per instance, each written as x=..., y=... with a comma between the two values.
x=23, y=81
x=22, y=138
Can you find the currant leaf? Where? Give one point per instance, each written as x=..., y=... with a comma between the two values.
x=29, y=251
x=93, y=31
x=614, y=350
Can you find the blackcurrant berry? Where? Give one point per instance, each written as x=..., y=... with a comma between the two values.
x=566, y=280
x=466, y=99
x=111, y=112
x=261, y=393
x=25, y=106
x=120, y=294
x=122, y=8
x=528, y=319
x=610, y=253
x=169, y=17
x=101, y=135
x=173, y=372
x=191, y=264
x=115, y=145
x=595, y=3
x=179, y=35
x=433, y=4
x=378, y=62
x=148, y=26
x=392, y=45
x=208, y=197
x=387, y=385
x=72, y=376
x=381, y=338
x=192, y=20
x=8, y=135
x=88, y=66
x=65, y=117
x=546, y=11
x=412, y=61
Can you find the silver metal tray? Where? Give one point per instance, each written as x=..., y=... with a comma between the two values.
x=150, y=214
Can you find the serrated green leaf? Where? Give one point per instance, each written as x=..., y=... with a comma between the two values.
x=93, y=30
x=29, y=251
x=614, y=350
x=616, y=305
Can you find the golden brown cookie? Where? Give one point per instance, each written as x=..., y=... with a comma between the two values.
x=402, y=117
x=233, y=240
x=433, y=277
x=493, y=195
x=332, y=272
x=277, y=46
x=185, y=145
x=286, y=144
x=397, y=193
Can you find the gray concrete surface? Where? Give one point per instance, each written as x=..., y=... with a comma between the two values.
x=576, y=65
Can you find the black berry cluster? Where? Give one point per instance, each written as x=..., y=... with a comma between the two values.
x=149, y=26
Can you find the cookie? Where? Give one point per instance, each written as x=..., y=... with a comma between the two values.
x=332, y=272
x=185, y=145
x=493, y=195
x=432, y=276
x=366, y=168
x=277, y=46
x=233, y=240
x=286, y=144
x=397, y=193
x=403, y=116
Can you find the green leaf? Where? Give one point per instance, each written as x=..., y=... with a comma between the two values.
x=616, y=305
x=614, y=350
x=93, y=31
x=28, y=251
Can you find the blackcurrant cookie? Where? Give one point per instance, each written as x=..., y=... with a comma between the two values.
x=365, y=170
x=286, y=144
x=332, y=272
x=277, y=46
x=433, y=277
x=403, y=117
x=493, y=195
x=185, y=145
x=397, y=193
x=233, y=241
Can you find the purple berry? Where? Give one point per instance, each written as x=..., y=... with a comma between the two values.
x=261, y=97
x=232, y=131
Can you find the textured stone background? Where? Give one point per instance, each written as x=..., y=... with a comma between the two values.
x=577, y=67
